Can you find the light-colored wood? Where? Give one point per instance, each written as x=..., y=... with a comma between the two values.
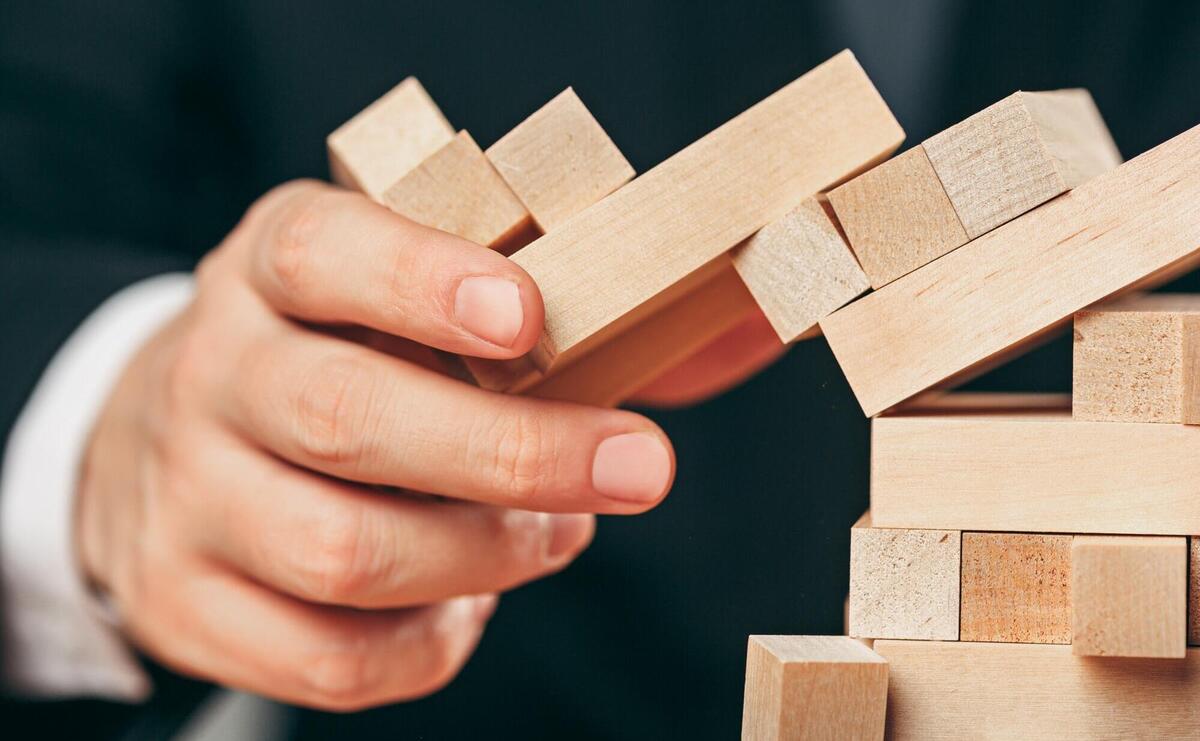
x=1193, y=591
x=956, y=691
x=1016, y=588
x=1129, y=596
x=813, y=688
x=799, y=269
x=559, y=161
x=1136, y=360
x=897, y=217
x=387, y=139
x=1033, y=469
x=606, y=261
x=904, y=583
x=1134, y=225
x=1019, y=153
x=457, y=190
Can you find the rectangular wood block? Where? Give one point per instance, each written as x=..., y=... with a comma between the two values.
x=957, y=691
x=1016, y=588
x=897, y=217
x=1019, y=153
x=810, y=688
x=1129, y=596
x=387, y=139
x=1137, y=359
x=1031, y=468
x=1193, y=591
x=799, y=269
x=1130, y=227
x=904, y=583
x=559, y=161
x=608, y=260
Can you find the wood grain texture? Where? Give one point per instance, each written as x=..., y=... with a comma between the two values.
x=1136, y=360
x=1000, y=691
x=1016, y=588
x=1129, y=596
x=387, y=139
x=1133, y=226
x=904, y=583
x=1029, y=469
x=897, y=217
x=1193, y=591
x=559, y=161
x=606, y=261
x=813, y=688
x=799, y=269
x=1019, y=153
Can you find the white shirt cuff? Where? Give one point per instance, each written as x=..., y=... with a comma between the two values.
x=60, y=641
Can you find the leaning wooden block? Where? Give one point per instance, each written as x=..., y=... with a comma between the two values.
x=1032, y=468
x=387, y=139
x=1138, y=360
x=559, y=161
x=1128, y=228
x=1016, y=588
x=1129, y=596
x=1019, y=153
x=813, y=687
x=959, y=691
x=904, y=583
x=606, y=262
x=799, y=269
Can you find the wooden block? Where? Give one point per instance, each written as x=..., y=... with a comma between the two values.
x=1136, y=360
x=1016, y=588
x=957, y=691
x=559, y=161
x=457, y=190
x=1019, y=153
x=1133, y=226
x=1129, y=596
x=799, y=269
x=604, y=263
x=1030, y=469
x=813, y=687
x=904, y=583
x=1193, y=591
x=387, y=139
x=897, y=217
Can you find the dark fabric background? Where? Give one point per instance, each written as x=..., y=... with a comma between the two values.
x=134, y=133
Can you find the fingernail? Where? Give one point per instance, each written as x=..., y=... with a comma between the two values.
x=567, y=532
x=634, y=467
x=490, y=308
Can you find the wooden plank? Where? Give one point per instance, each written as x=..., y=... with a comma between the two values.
x=1129, y=596
x=1135, y=360
x=1019, y=153
x=904, y=583
x=387, y=139
x=1136, y=224
x=1016, y=588
x=606, y=261
x=1030, y=469
x=897, y=217
x=799, y=269
x=813, y=687
x=559, y=161
x=956, y=691
x=1193, y=591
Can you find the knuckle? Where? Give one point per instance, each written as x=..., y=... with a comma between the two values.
x=443, y=657
x=334, y=568
x=521, y=457
x=290, y=252
x=333, y=410
x=339, y=679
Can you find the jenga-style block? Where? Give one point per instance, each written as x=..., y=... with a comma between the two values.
x=810, y=688
x=1138, y=360
x=904, y=583
x=387, y=139
x=1019, y=153
x=799, y=269
x=1016, y=588
x=897, y=217
x=559, y=161
x=1128, y=228
x=1193, y=591
x=1129, y=596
